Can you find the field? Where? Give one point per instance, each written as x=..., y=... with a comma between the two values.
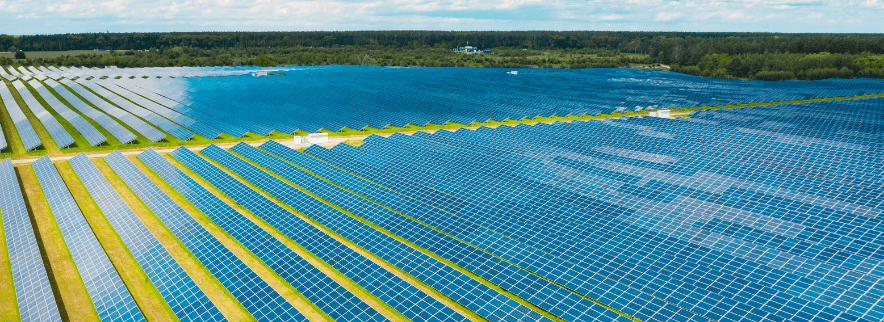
x=493, y=207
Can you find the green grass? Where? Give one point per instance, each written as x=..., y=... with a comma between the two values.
x=71, y=296
x=214, y=290
x=8, y=311
x=380, y=261
x=300, y=302
x=314, y=260
x=146, y=295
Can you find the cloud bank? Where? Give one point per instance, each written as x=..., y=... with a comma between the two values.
x=73, y=16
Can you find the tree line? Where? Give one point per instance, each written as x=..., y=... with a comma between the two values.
x=767, y=56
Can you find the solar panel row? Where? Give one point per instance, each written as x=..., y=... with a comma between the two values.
x=103, y=283
x=207, y=119
x=187, y=301
x=402, y=296
x=32, y=290
x=542, y=293
x=455, y=284
x=174, y=129
x=333, y=299
x=264, y=303
x=133, y=121
x=182, y=120
x=82, y=125
x=768, y=211
x=118, y=131
x=55, y=129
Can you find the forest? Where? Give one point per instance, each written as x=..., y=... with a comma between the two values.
x=763, y=56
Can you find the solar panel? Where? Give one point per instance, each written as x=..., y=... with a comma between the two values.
x=742, y=214
x=118, y=131
x=107, y=291
x=92, y=135
x=23, y=126
x=32, y=290
x=185, y=298
x=554, y=298
x=330, y=297
x=55, y=129
x=264, y=303
x=183, y=120
x=207, y=119
x=134, y=122
x=174, y=129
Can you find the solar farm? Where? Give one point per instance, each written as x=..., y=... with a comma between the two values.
x=472, y=194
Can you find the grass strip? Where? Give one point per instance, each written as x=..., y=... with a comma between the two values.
x=71, y=296
x=307, y=308
x=214, y=290
x=314, y=260
x=146, y=295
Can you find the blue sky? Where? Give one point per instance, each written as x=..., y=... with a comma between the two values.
x=20, y=17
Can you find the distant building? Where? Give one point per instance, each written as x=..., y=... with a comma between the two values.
x=472, y=50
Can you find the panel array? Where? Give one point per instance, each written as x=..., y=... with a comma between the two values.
x=187, y=301
x=333, y=299
x=264, y=303
x=164, y=124
x=400, y=295
x=25, y=131
x=103, y=283
x=745, y=214
x=32, y=290
x=61, y=137
x=212, y=121
x=183, y=120
x=129, y=119
x=118, y=131
x=82, y=125
x=542, y=293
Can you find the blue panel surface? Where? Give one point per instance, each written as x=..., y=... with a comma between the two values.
x=187, y=301
x=247, y=287
x=103, y=283
x=32, y=290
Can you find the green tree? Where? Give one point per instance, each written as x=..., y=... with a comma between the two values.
x=20, y=55
x=264, y=61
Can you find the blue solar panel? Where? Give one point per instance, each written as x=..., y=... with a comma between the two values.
x=546, y=295
x=185, y=298
x=247, y=287
x=118, y=131
x=174, y=129
x=400, y=295
x=460, y=287
x=134, y=122
x=105, y=288
x=84, y=127
x=25, y=130
x=768, y=211
x=32, y=290
x=208, y=119
x=184, y=120
x=311, y=98
x=317, y=287
x=61, y=137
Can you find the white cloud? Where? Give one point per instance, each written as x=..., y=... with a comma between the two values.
x=668, y=16
x=71, y=16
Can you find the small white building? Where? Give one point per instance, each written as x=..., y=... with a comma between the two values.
x=661, y=113
x=300, y=139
